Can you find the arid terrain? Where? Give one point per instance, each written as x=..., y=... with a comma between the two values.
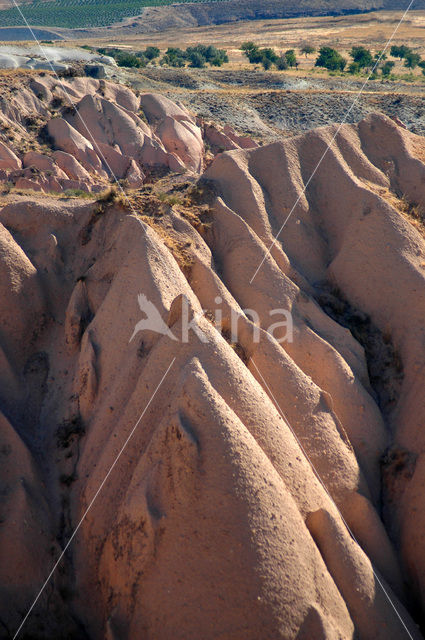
x=255, y=449
x=267, y=104
x=371, y=29
x=212, y=341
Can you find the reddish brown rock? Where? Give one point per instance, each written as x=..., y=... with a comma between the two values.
x=70, y=166
x=68, y=139
x=8, y=159
x=182, y=141
x=157, y=107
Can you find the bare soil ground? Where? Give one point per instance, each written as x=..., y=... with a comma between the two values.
x=271, y=105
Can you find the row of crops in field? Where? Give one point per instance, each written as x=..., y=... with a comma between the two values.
x=73, y=14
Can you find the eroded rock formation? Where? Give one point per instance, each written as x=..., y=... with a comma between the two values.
x=81, y=133
x=271, y=489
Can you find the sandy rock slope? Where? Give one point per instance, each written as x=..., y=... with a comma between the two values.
x=273, y=487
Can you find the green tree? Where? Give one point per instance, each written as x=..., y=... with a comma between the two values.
x=354, y=67
x=219, y=58
x=175, y=52
x=330, y=59
x=151, y=53
x=256, y=55
x=172, y=62
x=174, y=57
x=252, y=52
x=142, y=58
x=125, y=59
x=248, y=46
x=380, y=56
x=208, y=52
x=307, y=49
x=387, y=68
x=197, y=60
x=399, y=51
x=282, y=63
x=212, y=55
x=269, y=54
x=411, y=60
x=362, y=56
x=291, y=58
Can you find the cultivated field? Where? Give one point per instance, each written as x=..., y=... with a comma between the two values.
x=372, y=30
x=79, y=13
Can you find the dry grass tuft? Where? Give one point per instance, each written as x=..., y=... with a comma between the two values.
x=417, y=148
x=413, y=212
x=113, y=195
x=155, y=204
x=236, y=346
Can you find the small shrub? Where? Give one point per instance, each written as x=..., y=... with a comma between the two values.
x=68, y=431
x=111, y=195
x=77, y=193
x=170, y=199
x=387, y=68
x=6, y=187
x=57, y=102
x=291, y=58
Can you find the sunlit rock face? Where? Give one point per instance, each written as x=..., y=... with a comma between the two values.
x=273, y=485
